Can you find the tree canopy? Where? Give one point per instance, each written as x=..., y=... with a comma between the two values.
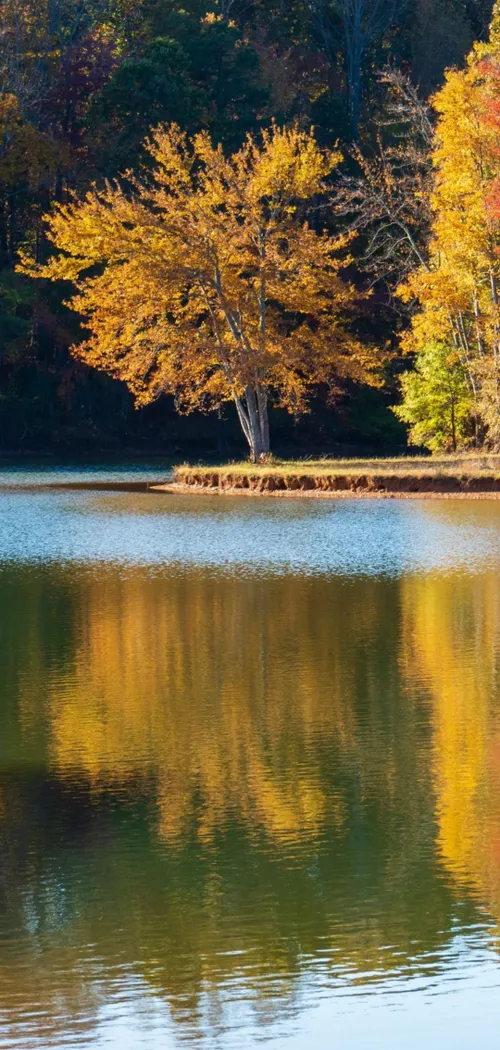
x=207, y=282
x=457, y=289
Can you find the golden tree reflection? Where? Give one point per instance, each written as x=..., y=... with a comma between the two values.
x=451, y=632
x=223, y=696
x=263, y=723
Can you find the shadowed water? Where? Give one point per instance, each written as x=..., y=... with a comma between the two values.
x=249, y=772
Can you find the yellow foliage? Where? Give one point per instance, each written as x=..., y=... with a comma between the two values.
x=208, y=283
x=458, y=291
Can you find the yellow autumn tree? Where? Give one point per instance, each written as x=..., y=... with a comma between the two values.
x=207, y=282
x=458, y=321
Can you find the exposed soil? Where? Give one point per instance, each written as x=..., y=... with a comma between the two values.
x=360, y=485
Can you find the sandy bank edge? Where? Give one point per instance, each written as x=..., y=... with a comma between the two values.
x=178, y=489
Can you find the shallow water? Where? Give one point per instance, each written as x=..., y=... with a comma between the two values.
x=249, y=771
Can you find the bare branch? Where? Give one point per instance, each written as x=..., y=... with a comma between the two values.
x=388, y=202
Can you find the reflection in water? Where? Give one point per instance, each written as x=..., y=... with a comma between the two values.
x=452, y=639
x=230, y=696
x=223, y=797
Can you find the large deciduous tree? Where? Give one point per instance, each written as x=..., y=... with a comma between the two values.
x=207, y=282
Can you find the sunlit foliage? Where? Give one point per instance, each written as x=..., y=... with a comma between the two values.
x=210, y=284
x=458, y=289
x=436, y=400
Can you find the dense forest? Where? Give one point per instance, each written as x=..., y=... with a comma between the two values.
x=413, y=192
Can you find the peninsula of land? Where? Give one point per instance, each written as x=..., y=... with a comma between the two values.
x=467, y=476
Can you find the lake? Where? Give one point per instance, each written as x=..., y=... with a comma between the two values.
x=249, y=769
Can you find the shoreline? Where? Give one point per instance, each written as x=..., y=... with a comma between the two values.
x=184, y=489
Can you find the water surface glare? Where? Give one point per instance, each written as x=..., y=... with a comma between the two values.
x=249, y=771
x=368, y=537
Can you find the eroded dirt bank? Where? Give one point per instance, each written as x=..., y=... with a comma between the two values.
x=276, y=484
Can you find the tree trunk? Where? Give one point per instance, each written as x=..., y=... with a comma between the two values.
x=355, y=61
x=254, y=419
x=453, y=426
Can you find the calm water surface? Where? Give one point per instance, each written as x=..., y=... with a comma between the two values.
x=249, y=771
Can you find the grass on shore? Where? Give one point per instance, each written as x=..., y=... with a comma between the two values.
x=470, y=464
